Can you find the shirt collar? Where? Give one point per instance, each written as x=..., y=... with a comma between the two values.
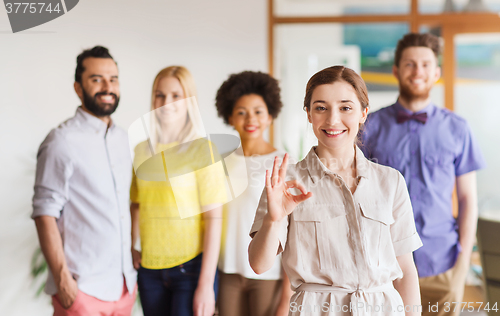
x=317, y=170
x=93, y=122
x=429, y=109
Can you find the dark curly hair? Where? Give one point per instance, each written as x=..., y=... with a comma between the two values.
x=244, y=83
x=96, y=52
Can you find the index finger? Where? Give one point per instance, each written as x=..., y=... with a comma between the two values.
x=283, y=166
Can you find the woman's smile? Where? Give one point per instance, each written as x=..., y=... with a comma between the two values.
x=334, y=132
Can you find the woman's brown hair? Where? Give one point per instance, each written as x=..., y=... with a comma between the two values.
x=334, y=74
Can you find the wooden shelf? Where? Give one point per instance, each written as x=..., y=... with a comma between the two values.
x=492, y=19
x=343, y=19
x=460, y=19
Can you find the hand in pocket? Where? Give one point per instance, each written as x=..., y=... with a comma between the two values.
x=67, y=292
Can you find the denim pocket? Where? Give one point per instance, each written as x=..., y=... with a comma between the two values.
x=192, y=267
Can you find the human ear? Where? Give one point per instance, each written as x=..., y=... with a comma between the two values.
x=78, y=89
x=309, y=116
x=395, y=72
x=364, y=114
x=269, y=120
x=438, y=74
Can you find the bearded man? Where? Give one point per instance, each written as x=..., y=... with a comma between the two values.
x=434, y=150
x=81, y=199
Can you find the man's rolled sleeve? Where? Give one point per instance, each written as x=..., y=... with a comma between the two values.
x=53, y=171
x=405, y=238
x=471, y=157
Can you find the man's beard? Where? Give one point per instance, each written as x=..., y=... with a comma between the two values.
x=409, y=95
x=95, y=108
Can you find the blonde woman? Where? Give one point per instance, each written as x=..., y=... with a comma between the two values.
x=179, y=222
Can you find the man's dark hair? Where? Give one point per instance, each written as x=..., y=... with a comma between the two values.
x=245, y=83
x=96, y=52
x=416, y=40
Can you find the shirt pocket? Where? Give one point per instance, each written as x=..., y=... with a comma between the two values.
x=440, y=167
x=375, y=229
x=321, y=236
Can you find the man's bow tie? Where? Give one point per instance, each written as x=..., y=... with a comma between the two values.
x=403, y=116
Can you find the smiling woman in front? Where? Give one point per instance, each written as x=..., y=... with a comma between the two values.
x=347, y=237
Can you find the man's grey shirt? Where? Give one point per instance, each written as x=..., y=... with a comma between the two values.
x=83, y=178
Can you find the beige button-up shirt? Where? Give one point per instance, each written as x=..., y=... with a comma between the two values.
x=340, y=249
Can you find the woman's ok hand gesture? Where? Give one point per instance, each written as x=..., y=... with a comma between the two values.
x=280, y=202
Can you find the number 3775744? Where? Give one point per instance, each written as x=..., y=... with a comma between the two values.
x=32, y=8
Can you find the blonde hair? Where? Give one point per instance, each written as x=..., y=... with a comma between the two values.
x=193, y=128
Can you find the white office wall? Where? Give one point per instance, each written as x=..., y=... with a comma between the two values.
x=211, y=38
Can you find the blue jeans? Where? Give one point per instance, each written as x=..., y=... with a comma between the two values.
x=170, y=292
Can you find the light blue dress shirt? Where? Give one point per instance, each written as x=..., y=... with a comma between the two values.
x=430, y=156
x=82, y=179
